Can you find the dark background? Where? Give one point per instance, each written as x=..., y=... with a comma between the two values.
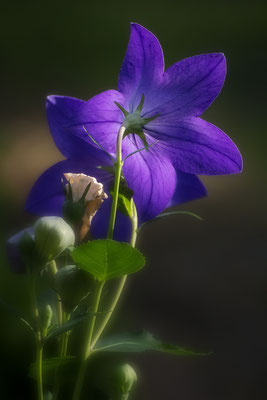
x=205, y=282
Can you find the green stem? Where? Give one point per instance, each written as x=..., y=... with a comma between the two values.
x=38, y=336
x=88, y=345
x=62, y=353
x=65, y=337
x=118, y=168
x=39, y=370
x=122, y=280
x=54, y=270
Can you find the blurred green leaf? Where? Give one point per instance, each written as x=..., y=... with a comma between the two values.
x=140, y=343
x=168, y=214
x=68, y=326
x=107, y=259
x=54, y=365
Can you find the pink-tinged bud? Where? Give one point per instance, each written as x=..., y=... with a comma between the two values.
x=84, y=196
x=79, y=184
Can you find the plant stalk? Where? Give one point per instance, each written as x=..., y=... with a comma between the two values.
x=88, y=346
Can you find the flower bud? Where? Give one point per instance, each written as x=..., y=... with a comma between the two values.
x=124, y=377
x=45, y=317
x=84, y=196
x=72, y=284
x=20, y=250
x=52, y=236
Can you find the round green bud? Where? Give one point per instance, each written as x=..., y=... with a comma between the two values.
x=52, y=236
x=123, y=379
x=72, y=284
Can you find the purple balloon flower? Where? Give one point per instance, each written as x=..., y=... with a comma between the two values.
x=186, y=144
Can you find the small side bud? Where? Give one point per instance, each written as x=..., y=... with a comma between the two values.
x=20, y=250
x=52, y=236
x=45, y=317
x=72, y=284
x=84, y=196
x=123, y=379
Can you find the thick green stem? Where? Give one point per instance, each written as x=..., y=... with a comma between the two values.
x=118, y=167
x=39, y=370
x=88, y=344
x=122, y=280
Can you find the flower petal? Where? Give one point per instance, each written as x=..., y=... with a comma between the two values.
x=99, y=115
x=151, y=176
x=142, y=67
x=189, y=86
x=196, y=146
x=189, y=187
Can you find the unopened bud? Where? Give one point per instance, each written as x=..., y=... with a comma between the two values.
x=20, y=250
x=52, y=236
x=72, y=284
x=84, y=196
x=124, y=378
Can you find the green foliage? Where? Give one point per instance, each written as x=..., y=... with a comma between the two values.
x=140, y=343
x=55, y=365
x=69, y=325
x=125, y=202
x=168, y=214
x=107, y=259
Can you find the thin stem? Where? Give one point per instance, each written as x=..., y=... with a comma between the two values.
x=88, y=345
x=65, y=337
x=54, y=270
x=38, y=336
x=122, y=281
x=118, y=167
x=62, y=353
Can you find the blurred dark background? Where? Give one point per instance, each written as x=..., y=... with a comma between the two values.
x=205, y=282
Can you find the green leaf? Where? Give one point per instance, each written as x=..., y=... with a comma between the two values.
x=107, y=259
x=68, y=326
x=54, y=365
x=125, y=202
x=167, y=214
x=140, y=343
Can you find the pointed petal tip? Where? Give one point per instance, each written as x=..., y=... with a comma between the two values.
x=140, y=28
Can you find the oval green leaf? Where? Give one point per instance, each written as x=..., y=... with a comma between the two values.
x=107, y=259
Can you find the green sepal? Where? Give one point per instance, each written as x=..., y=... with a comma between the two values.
x=107, y=259
x=139, y=133
x=122, y=109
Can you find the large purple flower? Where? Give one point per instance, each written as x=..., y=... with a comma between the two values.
x=186, y=144
x=47, y=196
